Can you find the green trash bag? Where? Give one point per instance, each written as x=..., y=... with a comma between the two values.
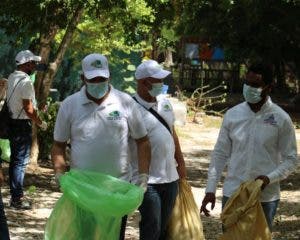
x=91, y=207
x=4, y=150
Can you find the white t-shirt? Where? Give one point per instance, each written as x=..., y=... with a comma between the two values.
x=253, y=144
x=99, y=133
x=24, y=90
x=163, y=164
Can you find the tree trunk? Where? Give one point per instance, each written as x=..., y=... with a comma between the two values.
x=169, y=57
x=45, y=81
x=154, y=54
x=45, y=48
x=53, y=67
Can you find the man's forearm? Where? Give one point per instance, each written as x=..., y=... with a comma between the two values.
x=31, y=112
x=58, y=157
x=144, y=154
x=34, y=117
x=178, y=156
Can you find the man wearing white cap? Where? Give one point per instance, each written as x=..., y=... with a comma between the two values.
x=167, y=163
x=21, y=103
x=98, y=121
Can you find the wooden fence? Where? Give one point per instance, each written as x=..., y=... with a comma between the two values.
x=191, y=76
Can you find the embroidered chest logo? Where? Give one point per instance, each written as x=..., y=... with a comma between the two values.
x=114, y=115
x=270, y=120
x=167, y=108
x=97, y=64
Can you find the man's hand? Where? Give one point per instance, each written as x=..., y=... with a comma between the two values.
x=143, y=181
x=209, y=198
x=43, y=126
x=1, y=177
x=57, y=178
x=265, y=179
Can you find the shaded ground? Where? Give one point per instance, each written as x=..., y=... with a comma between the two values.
x=197, y=142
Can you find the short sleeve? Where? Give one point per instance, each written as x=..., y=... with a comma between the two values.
x=27, y=90
x=62, y=129
x=136, y=125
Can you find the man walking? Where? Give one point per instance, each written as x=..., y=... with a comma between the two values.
x=167, y=163
x=256, y=141
x=98, y=121
x=21, y=103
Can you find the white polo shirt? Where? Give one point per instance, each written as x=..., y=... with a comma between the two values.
x=253, y=144
x=163, y=163
x=24, y=90
x=99, y=133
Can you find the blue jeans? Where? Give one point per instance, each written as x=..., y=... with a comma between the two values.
x=4, y=234
x=269, y=209
x=156, y=208
x=20, y=144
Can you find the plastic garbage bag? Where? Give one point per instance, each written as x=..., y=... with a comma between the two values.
x=91, y=207
x=5, y=150
x=243, y=216
x=185, y=222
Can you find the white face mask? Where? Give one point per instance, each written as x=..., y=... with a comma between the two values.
x=97, y=90
x=252, y=94
x=156, y=89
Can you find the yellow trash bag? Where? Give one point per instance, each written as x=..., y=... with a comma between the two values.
x=185, y=222
x=243, y=216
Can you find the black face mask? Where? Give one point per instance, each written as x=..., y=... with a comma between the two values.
x=42, y=67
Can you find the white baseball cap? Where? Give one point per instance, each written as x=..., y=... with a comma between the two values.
x=95, y=65
x=26, y=56
x=150, y=68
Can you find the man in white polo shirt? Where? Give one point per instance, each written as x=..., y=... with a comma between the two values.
x=98, y=121
x=167, y=163
x=21, y=103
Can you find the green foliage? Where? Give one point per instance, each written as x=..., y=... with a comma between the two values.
x=248, y=29
x=31, y=190
x=45, y=138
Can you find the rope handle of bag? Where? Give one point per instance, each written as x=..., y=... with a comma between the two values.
x=156, y=114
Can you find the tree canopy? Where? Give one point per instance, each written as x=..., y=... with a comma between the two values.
x=246, y=28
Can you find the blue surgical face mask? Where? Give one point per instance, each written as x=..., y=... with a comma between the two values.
x=252, y=94
x=156, y=89
x=97, y=90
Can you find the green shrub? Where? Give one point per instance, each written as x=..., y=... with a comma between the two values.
x=45, y=138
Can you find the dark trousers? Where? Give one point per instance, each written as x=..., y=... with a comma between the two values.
x=4, y=234
x=123, y=228
x=20, y=143
x=156, y=208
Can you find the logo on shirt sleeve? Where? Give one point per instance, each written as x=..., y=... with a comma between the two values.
x=270, y=120
x=114, y=115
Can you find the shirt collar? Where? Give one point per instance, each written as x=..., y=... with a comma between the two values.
x=267, y=104
x=21, y=73
x=146, y=104
x=83, y=98
x=264, y=107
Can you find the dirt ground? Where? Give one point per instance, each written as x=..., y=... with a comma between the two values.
x=197, y=141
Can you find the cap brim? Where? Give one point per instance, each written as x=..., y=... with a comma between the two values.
x=161, y=74
x=96, y=73
x=36, y=58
